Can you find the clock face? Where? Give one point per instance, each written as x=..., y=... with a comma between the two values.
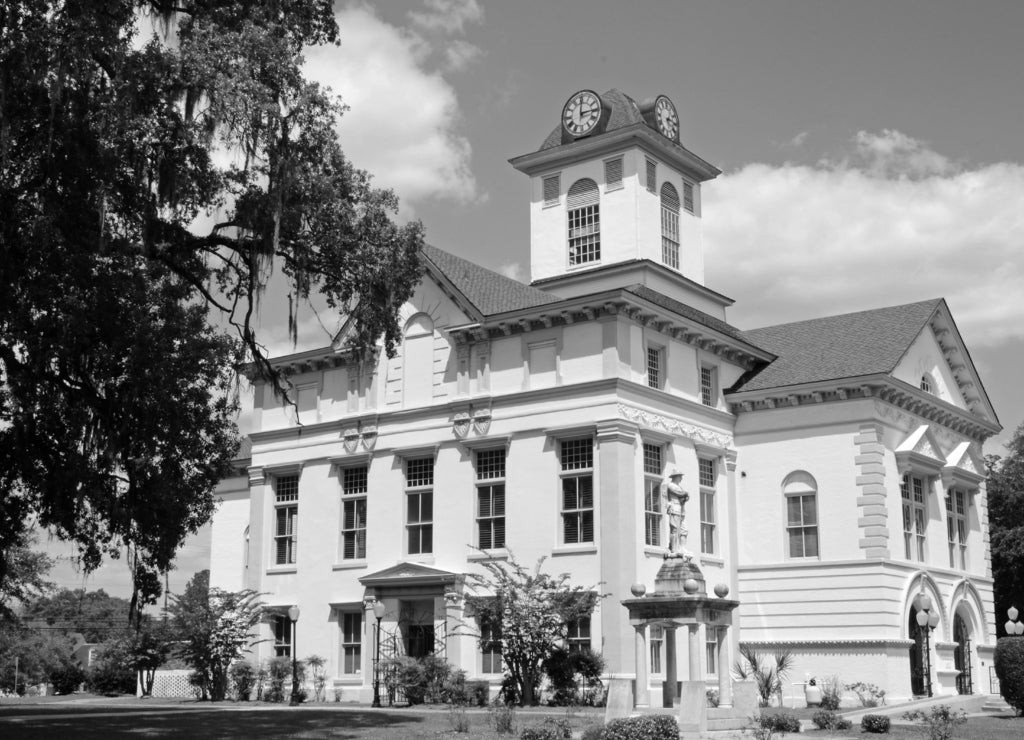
x=666, y=116
x=581, y=113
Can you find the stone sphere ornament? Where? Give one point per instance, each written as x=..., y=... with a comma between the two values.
x=721, y=590
x=638, y=589
x=691, y=586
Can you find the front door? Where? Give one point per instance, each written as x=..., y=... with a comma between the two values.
x=962, y=655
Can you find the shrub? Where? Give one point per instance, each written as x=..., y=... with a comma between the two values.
x=110, y=677
x=504, y=718
x=649, y=727
x=316, y=665
x=575, y=676
x=825, y=719
x=66, y=678
x=940, y=722
x=831, y=693
x=779, y=722
x=875, y=723
x=593, y=732
x=279, y=676
x=408, y=675
x=454, y=689
x=553, y=728
x=243, y=677
x=479, y=692
x=868, y=694
x=711, y=696
x=458, y=719
x=1010, y=670
x=768, y=677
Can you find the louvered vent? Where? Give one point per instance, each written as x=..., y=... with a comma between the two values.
x=551, y=188
x=652, y=176
x=613, y=173
x=582, y=193
x=688, y=197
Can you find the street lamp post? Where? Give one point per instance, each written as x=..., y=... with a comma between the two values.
x=293, y=615
x=928, y=621
x=1013, y=627
x=378, y=612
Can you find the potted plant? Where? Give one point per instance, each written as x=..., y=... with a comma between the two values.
x=812, y=693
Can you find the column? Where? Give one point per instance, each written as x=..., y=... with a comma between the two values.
x=724, y=679
x=454, y=641
x=369, y=646
x=693, y=646
x=668, y=690
x=641, y=694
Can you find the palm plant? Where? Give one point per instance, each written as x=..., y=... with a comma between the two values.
x=768, y=674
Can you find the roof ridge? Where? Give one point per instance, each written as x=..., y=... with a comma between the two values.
x=862, y=312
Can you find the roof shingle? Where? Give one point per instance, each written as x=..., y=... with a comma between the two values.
x=836, y=347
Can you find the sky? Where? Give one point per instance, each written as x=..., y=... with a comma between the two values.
x=871, y=151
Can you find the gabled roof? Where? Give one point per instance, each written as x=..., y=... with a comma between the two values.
x=836, y=347
x=671, y=304
x=405, y=574
x=485, y=292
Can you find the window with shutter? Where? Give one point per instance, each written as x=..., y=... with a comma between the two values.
x=688, y=197
x=353, y=525
x=670, y=226
x=583, y=203
x=552, y=190
x=652, y=176
x=577, y=462
x=286, y=513
x=490, y=496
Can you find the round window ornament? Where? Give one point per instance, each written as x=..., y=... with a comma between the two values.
x=721, y=590
x=691, y=586
x=638, y=589
x=581, y=113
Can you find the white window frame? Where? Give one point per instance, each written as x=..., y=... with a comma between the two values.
x=490, y=476
x=491, y=661
x=354, y=489
x=578, y=634
x=656, y=637
x=583, y=228
x=914, y=489
x=710, y=651
x=420, y=492
x=655, y=366
x=286, y=503
x=281, y=628
x=957, y=505
x=576, y=463
x=709, y=385
x=670, y=228
x=653, y=465
x=708, y=505
x=351, y=638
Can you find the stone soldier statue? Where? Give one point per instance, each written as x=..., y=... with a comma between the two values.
x=676, y=499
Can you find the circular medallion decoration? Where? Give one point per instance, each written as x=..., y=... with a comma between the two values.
x=581, y=113
x=667, y=118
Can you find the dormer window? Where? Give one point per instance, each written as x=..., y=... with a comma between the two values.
x=927, y=384
x=584, y=223
x=670, y=226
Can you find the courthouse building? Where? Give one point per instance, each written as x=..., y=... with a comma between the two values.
x=834, y=466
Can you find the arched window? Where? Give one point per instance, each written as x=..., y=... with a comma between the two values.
x=927, y=384
x=801, y=493
x=670, y=226
x=584, y=223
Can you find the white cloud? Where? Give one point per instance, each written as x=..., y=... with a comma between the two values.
x=403, y=122
x=450, y=16
x=798, y=141
x=460, y=54
x=513, y=270
x=794, y=241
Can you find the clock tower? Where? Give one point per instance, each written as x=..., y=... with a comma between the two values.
x=616, y=200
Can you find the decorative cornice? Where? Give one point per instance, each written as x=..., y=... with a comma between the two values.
x=829, y=643
x=676, y=427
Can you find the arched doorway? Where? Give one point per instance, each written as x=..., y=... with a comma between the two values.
x=962, y=655
x=917, y=655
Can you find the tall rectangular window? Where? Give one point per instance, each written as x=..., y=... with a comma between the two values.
x=578, y=634
x=351, y=643
x=282, y=628
x=655, y=361
x=708, y=475
x=584, y=235
x=708, y=386
x=577, y=462
x=711, y=650
x=657, y=640
x=802, y=524
x=353, y=513
x=688, y=197
x=419, y=505
x=914, y=517
x=490, y=646
x=490, y=499
x=670, y=236
x=286, y=515
x=652, y=494
x=956, y=528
